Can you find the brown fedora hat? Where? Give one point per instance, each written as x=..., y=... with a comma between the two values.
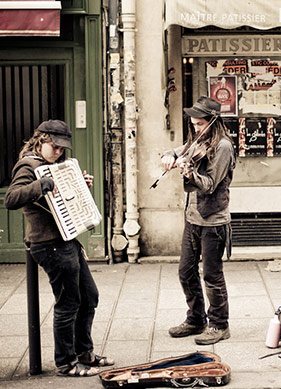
x=204, y=106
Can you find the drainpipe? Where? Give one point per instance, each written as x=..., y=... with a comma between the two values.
x=131, y=226
x=118, y=242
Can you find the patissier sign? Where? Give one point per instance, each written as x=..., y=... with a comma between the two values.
x=225, y=14
x=230, y=44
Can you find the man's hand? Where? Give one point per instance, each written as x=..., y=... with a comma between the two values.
x=188, y=171
x=181, y=163
x=88, y=178
x=186, y=168
x=168, y=162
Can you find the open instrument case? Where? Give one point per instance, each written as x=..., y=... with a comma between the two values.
x=198, y=369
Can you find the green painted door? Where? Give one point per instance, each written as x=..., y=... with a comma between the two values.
x=45, y=83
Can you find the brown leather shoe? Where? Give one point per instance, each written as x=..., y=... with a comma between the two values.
x=186, y=329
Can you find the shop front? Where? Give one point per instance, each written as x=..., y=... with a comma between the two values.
x=232, y=53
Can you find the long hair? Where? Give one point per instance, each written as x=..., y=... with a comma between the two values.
x=216, y=132
x=34, y=144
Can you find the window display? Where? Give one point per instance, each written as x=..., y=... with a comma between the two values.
x=250, y=90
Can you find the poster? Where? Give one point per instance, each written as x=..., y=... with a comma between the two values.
x=273, y=137
x=232, y=126
x=224, y=90
x=258, y=83
x=270, y=137
x=242, y=138
x=254, y=139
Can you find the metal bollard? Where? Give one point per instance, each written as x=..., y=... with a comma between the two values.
x=33, y=310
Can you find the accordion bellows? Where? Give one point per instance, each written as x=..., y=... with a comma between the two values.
x=73, y=206
x=198, y=369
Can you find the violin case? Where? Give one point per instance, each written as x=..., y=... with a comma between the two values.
x=198, y=369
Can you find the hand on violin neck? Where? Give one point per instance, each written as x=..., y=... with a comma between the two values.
x=180, y=162
x=187, y=171
x=186, y=168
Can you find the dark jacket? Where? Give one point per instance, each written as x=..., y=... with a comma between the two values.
x=23, y=192
x=211, y=179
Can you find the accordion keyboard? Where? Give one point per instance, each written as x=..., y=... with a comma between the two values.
x=72, y=206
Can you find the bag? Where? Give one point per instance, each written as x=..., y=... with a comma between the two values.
x=189, y=370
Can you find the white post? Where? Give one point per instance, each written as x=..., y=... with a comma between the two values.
x=131, y=226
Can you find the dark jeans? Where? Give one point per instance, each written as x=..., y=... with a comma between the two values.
x=210, y=242
x=76, y=296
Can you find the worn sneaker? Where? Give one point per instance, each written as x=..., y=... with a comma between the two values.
x=186, y=329
x=212, y=335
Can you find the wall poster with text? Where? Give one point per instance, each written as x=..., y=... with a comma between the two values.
x=258, y=84
x=224, y=90
x=253, y=137
x=232, y=125
x=273, y=137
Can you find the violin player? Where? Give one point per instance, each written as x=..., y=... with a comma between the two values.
x=206, y=166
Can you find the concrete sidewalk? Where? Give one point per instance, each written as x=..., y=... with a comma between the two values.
x=138, y=304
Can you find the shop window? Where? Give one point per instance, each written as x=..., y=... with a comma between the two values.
x=249, y=91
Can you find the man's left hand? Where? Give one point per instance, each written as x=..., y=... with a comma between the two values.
x=88, y=178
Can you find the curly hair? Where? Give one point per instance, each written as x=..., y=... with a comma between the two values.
x=216, y=132
x=34, y=144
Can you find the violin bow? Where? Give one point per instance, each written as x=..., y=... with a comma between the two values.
x=158, y=179
x=184, y=152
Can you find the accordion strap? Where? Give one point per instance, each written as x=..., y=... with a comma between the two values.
x=42, y=206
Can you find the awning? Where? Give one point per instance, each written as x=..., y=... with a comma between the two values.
x=258, y=14
x=30, y=18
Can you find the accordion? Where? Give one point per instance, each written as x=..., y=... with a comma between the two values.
x=72, y=206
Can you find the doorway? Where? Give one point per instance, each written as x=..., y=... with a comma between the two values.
x=29, y=94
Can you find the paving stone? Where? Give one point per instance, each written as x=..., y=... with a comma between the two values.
x=250, y=307
x=127, y=353
x=131, y=329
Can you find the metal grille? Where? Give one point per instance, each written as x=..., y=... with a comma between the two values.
x=28, y=95
x=256, y=230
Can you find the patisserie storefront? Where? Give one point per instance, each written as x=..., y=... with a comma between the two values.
x=233, y=54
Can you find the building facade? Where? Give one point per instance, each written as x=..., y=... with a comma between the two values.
x=230, y=52
x=120, y=73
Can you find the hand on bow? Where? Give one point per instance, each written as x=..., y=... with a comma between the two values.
x=168, y=162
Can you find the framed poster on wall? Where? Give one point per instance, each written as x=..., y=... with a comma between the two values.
x=252, y=137
x=233, y=128
x=273, y=137
x=224, y=90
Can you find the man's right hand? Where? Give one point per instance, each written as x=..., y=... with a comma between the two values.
x=168, y=162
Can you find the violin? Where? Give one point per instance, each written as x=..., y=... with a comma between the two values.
x=199, y=153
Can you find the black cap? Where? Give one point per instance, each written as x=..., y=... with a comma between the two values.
x=204, y=106
x=58, y=131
